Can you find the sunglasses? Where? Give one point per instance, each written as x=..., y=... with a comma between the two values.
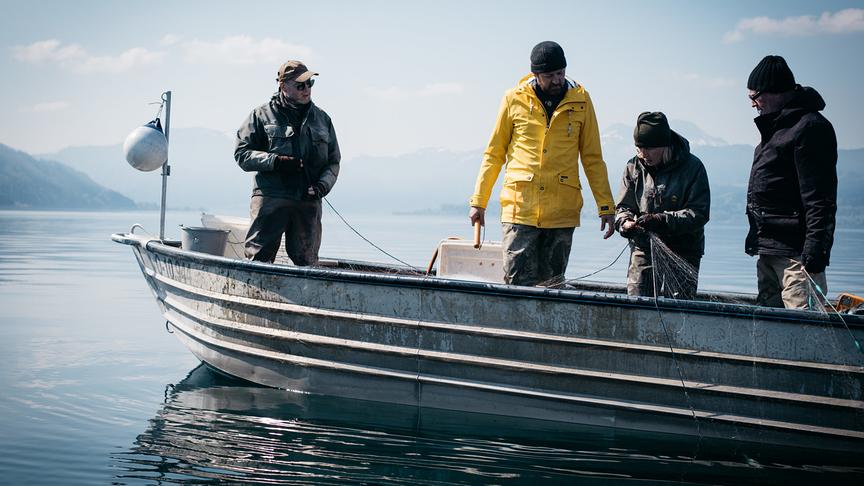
x=755, y=96
x=302, y=86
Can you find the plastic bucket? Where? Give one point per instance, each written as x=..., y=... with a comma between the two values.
x=204, y=240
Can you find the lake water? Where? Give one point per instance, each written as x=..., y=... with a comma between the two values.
x=94, y=391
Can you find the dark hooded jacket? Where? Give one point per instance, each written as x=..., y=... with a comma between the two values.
x=678, y=190
x=268, y=131
x=792, y=194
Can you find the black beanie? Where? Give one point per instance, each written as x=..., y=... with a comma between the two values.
x=547, y=56
x=771, y=75
x=652, y=130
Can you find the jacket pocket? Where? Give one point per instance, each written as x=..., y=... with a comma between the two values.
x=575, y=119
x=786, y=229
x=320, y=144
x=280, y=138
x=570, y=181
x=516, y=192
x=567, y=199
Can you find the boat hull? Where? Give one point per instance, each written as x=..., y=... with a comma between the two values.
x=569, y=356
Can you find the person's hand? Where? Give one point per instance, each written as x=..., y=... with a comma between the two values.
x=286, y=163
x=652, y=222
x=315, y=191
x=630, y=229
x=814, y=263
x=607, y=223
x=476, y=214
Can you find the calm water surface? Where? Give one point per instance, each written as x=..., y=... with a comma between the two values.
x=94, y=391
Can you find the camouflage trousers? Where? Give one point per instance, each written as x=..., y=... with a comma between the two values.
x=272, y=217
x=535, y=256
x=679, y=284
x=783, y=282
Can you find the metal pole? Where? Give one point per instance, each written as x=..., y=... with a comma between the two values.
x=166, y=169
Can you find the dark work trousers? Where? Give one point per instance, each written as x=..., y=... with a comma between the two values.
x=299, y=221
x=679, y=285
x=535, y=256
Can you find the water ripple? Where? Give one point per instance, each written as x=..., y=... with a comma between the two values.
x=216, y=429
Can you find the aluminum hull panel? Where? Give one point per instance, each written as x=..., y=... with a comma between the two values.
x=753, y=374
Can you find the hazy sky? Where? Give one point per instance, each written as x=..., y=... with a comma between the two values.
x=398, y=76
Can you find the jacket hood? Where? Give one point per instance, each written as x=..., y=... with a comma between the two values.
x=680, y=152
x=680, y=147
x=807, y=99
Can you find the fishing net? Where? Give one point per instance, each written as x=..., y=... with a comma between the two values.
x=672, y=276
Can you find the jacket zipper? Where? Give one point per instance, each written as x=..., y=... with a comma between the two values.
x=545, y=132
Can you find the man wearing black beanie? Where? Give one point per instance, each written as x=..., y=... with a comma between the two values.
x=792, y=194
x=544, y=126
x=664, y=192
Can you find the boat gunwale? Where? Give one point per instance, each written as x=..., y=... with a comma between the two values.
x=157, y=246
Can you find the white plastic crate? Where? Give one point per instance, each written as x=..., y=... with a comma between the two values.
x=238, y=228
x=458, y=259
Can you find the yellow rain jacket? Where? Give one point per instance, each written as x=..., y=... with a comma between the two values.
x=541, y=185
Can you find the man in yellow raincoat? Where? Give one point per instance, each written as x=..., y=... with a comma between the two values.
x=545, y=124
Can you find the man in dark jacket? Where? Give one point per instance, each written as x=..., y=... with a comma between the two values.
x=792, y=195
x=664, y=192
x=291, y=146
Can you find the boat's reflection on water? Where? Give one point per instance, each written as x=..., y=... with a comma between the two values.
x=213, y=428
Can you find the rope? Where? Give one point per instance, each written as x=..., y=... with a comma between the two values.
x=161, y=106
x=367, y=240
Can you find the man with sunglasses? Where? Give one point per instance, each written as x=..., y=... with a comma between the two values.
x=291, y=146
x=545, y=124
x=792, y=194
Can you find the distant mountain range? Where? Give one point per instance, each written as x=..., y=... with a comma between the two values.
x=203, y=172
x=204, y=175
x=30, y=183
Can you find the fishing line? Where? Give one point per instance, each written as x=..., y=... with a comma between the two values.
x=627, y=245
x=367, y=240
x=233, y=250
x=669, y=338
x=825, y=298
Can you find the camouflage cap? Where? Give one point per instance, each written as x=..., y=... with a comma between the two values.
x=294, y=71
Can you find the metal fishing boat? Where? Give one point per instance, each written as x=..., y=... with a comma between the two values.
x=716, y=367
x=584, y=354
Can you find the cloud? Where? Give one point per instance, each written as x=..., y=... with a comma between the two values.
x=48, y=50
x=243, y=49
x=48, y=106
x=76, y=58
x=434, y=89
x=845, y=21
x=169, y=39
x=137, y=56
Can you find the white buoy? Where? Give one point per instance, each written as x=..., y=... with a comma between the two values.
x=146, y=148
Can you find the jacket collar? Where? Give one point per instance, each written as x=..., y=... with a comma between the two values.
x=806, y=100
x=575, y=92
